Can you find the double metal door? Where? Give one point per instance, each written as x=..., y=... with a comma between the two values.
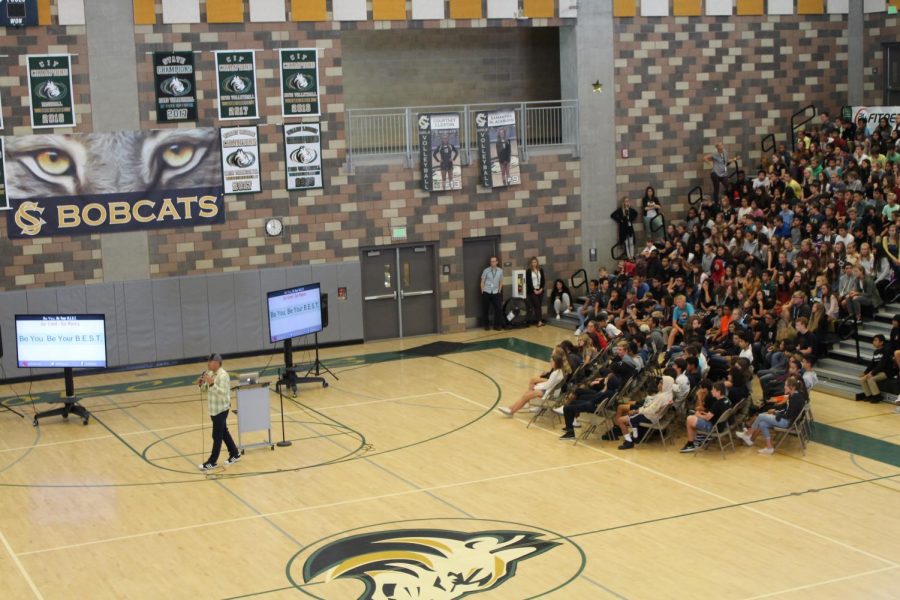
x=399, y=292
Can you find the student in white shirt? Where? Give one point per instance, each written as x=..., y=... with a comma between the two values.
x=559, y=370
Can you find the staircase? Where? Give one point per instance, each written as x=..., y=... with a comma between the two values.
x=839, y=369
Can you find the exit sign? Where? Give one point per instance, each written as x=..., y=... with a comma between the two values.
x=398, y=233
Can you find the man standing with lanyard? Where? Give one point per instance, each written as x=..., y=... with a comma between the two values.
x=217, y=384
x=719, y=162
x=491, y=294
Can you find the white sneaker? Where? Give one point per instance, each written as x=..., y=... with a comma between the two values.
x=744, y=437
x=767, y=451
x=505, y=410
x=575, y=423
x=558, y=410
x=578, y=331
x=557, y=317
x=568, y=311
x=534, y=409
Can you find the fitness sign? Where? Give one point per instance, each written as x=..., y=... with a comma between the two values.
x=112, y=182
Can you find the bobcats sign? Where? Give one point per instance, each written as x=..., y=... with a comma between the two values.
x=95, y=183
x=468, y=557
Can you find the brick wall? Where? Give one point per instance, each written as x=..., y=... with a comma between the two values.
x=65, y=259
x=683, y=84
x=540, y=217
x=427, y=67
x=880, y=29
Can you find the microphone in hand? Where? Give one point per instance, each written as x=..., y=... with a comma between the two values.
x=202, y=379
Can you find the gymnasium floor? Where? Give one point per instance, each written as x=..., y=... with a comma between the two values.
x=403, y=471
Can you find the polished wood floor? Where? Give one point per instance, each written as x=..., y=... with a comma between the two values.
x=413, y=445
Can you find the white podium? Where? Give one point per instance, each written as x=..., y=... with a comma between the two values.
x=253, y=413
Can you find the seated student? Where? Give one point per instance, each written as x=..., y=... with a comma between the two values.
x=572, y=353
x=596, y=334
x=633, y=357
x=709, y=409
x=810, y=378
x=682, y=383
x=738, y=380
x=881, y=367
x=587, y=400
x=560, y=298
x=680, y=315
x=692, y=372
x=649, y=411
x=610, y=330
x=591, y=305
x=559, y=370
x=783, y=417
x=806, y=341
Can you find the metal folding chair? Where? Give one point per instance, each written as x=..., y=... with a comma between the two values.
x=800, y=428
x=547, y=403
x=721, y=430
x=600, y=419
x=660, y=426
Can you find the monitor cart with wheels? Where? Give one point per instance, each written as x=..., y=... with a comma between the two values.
x=70, y=403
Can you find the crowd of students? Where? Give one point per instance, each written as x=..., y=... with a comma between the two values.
x=754, y=282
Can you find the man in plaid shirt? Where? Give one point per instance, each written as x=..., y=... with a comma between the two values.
x=217, y=384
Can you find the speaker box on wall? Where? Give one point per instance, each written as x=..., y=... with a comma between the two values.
x=323, y=304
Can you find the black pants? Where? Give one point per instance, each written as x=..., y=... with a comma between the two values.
x=219, y=433
x=718, y=181
x=492, y=303
x=536, y=301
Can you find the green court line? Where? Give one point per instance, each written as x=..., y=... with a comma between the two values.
x=856, y=443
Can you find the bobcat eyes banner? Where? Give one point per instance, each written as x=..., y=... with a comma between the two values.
x=236, y=80
x=112, y=182
x=50, y=91
x=175, y=87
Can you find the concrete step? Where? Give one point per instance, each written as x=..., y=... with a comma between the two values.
x=842, y=390
x=848, y=355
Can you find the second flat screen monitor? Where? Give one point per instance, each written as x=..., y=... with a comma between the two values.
x=294, y=312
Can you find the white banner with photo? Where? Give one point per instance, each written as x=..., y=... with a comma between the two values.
x=873, y=114
x=240, y=160
x=303, y=156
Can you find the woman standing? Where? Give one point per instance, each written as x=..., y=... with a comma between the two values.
x=534, y=290
x=625, y=216
x=651, y=209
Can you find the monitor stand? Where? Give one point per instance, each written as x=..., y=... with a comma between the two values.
x=70, y=403
x=289, y=377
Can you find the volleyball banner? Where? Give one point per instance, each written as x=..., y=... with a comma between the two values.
x=50, y=91
x=303, y=156
x=299, y=82
x=498, y=148
x=236, y=81
x=175, y=86
x=4, y=200
x=439, y=161
x=240, y=160
x=109, y=182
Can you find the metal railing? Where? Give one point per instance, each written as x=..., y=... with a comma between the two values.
x=393, y=132
x=797, y=124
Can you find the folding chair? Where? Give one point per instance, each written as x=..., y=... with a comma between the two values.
x=721, y=429
x=599, y=419
x=660, y=425
x=800, y=428
x=547, y=403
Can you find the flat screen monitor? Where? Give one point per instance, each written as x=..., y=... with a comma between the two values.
x=52, y=341
x=294, y=312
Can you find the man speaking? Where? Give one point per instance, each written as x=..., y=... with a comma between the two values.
x=217, y=384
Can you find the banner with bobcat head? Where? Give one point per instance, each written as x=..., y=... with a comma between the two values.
x=111, y=182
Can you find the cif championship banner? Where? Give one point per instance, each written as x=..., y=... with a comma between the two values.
x=111, y=182
x=240, y=160
x=299, y=82
x=4, y=199
x=439, y=151
x=50, y=91
x=175, y=87
x=498, y=148
x=236, y=80
x=873, y=114
x=303, y=156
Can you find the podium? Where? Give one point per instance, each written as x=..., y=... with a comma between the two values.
x=253, y=413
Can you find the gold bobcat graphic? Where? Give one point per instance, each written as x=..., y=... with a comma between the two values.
x=425, y=564
x=52, y=166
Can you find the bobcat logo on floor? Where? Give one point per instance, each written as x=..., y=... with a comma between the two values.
x=436, y=564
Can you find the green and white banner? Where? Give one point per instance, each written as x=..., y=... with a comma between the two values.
x=240, y=160
x=175, y=87
x=50, y=91
x=236, y=81
x=498, y=148
x=300, y=82
x=4, y=199
x=303, y=156
x=439, y=161
x=1, y=111
x=872, y=115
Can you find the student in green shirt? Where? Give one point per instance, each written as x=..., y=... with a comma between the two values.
x=217, y=385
